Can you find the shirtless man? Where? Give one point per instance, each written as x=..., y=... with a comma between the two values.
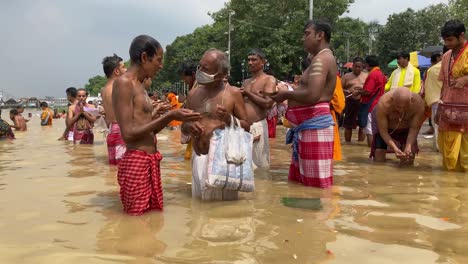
x=19, y=124
x=113, y=67
x=20, y=110
x=353, y=81
x=256, y=91
x=71, y=96
x=309, y=111
x=399, y=114
x=217, y=101
x=139, y=170
x=81, y=120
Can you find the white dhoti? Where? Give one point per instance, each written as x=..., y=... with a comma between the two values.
x=199, y=178
x=261, y=147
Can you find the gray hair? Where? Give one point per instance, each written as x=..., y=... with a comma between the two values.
x=223, y=61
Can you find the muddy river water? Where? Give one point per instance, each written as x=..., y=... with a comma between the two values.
x=59, y=204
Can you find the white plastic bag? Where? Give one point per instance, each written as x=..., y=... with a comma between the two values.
x=230, y=176
x=234, y=148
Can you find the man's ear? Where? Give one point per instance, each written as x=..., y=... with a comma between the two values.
x=144, y=58
x=320, y=35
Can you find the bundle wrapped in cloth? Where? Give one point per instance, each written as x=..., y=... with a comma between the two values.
x=230, y=164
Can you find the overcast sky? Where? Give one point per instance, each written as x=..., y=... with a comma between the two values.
x=49, y=45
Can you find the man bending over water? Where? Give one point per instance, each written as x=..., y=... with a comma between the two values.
x=139, y=170
x=398, y=114
x=217, y=101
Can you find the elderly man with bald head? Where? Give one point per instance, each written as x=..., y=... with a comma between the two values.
x=216, y=100
x=398, y=117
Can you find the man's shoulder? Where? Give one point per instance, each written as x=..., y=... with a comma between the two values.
x=195, y=90
x=122, y=81
x=107, y=87
x=435, y=68
x=233, y=89
x=348, y=76
x=376, y=73
x=268, y=79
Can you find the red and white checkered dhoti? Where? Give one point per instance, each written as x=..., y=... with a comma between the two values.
x=115, y=144
x=314, y=166
x=139, y=177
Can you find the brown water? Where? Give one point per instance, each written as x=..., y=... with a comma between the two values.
x=59, y=204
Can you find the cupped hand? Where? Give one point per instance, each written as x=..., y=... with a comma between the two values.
x=185, y=115
x=400, y=154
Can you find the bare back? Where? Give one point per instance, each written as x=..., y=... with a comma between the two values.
x=319, y=79
x=106, y=94
x=259, y=85
x=20, y=122
x=412, y=116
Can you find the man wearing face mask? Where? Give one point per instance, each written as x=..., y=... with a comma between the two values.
x=216, y=100
x=257, y=91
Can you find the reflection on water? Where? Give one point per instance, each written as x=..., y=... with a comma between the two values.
x=59, y=204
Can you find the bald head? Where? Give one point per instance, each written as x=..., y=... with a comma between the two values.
x=401, y=99
x=219, y=58
x=402, y=94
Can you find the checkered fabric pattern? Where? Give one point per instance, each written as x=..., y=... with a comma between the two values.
x=139, y=177
x=115, y=144
x=83, y=136
x=315, y=165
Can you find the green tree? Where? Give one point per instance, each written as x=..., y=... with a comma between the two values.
x=411, y=31
x=95, y=85
x=276, y=26
x=355, y=33
x=459, y=10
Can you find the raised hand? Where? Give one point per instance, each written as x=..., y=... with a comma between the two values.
x=160, y=108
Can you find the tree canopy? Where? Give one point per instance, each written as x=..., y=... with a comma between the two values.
x=276, y=26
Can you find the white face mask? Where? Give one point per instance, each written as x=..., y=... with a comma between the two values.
x=204, y=78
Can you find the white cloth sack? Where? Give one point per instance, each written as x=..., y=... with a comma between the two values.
x=233, y=147
x=231, y=175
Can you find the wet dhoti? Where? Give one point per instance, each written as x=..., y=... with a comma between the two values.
x=83, y=136
x=261, y=147
x=312, y=139
x=139, y=177
x=115, y=144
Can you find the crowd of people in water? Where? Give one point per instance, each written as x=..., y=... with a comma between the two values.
x=387, y=113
